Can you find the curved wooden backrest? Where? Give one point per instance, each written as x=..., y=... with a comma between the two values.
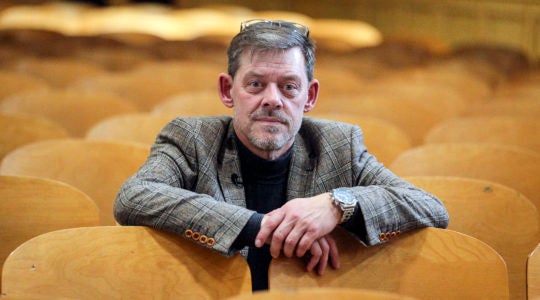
x=501, y=130
x=192, y=104
x=506, y=107
x=140, y=128
x=405, y=108
x=58, y=72
x=320, y=294
x=515, y=167
x=75, y=111
x=32, y=206
x=97, y=168
x=383, y=139
x=117, y=262
x=428, y=263
x=13, y=83
x=491, y=212
x=18, y=130
x=533, y=274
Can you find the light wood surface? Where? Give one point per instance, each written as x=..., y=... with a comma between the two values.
x=117, y=262
x=496, y=214
x=32, y=206
x=383, y=139
x=427, y=264
x=140, y=128
x=533, y=274
x=500, y=130
x=516, y=167
x=18, y=130
x=97, y=168
x=75, y=111
x=320, y=294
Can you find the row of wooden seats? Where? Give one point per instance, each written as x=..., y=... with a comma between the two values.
x=139, y=262
x=496, y=214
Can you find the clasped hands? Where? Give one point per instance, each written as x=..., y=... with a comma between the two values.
x=302, y=227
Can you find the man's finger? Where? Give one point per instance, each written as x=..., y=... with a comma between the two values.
x=269, y=223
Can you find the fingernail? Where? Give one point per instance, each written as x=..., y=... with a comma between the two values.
x=258, y=243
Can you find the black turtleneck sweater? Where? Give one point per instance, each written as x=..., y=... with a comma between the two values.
x=265, y=187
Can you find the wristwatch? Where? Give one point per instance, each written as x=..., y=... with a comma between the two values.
x=345, y=201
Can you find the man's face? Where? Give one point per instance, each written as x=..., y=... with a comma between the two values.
x=270, y=93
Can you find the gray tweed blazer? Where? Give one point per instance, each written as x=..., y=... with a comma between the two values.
x=186, y=185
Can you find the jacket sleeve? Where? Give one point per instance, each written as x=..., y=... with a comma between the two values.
x=167, y=193
x=388, y=204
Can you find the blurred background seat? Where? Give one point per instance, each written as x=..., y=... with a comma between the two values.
x=97, y=168
x=31, y=206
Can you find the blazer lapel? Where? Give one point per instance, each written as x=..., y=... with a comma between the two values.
x=303, y=165
x=229, y=174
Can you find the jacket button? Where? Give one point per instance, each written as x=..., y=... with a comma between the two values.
x=188, y=233
x=211, y=242
x=203, y=239
x=196, y=236
x=382, y=236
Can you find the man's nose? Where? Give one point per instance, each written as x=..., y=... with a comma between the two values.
x=272, y=96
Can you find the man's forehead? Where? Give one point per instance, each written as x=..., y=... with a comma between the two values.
x=292, y=56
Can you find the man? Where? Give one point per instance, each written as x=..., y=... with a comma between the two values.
x=268, y=180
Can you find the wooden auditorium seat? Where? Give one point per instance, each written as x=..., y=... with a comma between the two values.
x=57, y=72
x=31, y=206
x=501, y=130
x=413, y=115
x=189, y=104
x=344, y=35
x=515, y=167
x=506, y=107
x=139, y=128
x=496, y=214
x=13, y=83
x=97, y=168
x=428, y=263
x=383, y=139
x=533, y=274
x=121, y=262
x=75, y=111
x=18, y=130
x=320, y=294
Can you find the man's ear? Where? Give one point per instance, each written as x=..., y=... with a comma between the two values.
x=224, y=88
x=313, y=94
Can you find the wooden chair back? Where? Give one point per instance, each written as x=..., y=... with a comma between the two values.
x=428, y=263
x=515, y=167
x=320, y=294
x=121, y=262
x=383, y=139
x=13, y=83
x=31, y=206
x=18, y=130
x=75, y=111
x=533, y=274
x=139, y=128
x=501, y=130
x=188, y=104
x=493, y=213
x=97, y=168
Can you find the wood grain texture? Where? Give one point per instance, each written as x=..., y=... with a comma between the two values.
x=97, y=168
x=496, y=214
x=427, y=264
x=116, y=262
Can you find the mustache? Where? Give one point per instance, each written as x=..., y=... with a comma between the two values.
x=279, y=115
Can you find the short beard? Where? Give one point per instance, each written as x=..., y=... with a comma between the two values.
x=275, y=143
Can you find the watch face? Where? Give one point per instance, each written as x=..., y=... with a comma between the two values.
x=344, y=197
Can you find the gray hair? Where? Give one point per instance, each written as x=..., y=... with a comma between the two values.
x=268, y=36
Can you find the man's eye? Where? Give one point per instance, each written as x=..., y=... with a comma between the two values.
x=255, y=84
x=290, y=87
